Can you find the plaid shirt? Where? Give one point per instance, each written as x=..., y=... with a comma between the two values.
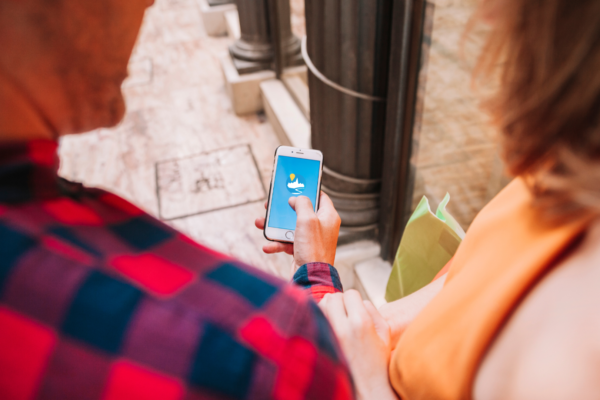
x=99, y=300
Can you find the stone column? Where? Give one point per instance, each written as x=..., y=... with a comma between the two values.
x=348, y=42
x=254, y=51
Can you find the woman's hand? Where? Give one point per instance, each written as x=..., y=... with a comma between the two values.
x=316, y=235
x=365, y=339
x=400, y=314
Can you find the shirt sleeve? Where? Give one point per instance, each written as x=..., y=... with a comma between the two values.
x=319, y=279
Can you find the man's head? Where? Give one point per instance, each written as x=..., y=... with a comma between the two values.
x=69, y=57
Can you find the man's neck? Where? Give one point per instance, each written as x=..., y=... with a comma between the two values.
x=19, y=117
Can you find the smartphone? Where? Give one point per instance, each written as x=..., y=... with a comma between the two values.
x=296, y=172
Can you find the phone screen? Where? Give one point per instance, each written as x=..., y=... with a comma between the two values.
x=293, y=177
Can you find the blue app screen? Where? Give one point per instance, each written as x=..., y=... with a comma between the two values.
x=294, y=177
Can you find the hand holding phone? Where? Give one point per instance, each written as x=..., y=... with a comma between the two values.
x=296, y=172
x=295, y=213
x=316, y=233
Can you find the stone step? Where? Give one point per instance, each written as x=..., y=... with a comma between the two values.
x=288, y=121
x=213, y=17
x=347, y=256
x=372, y=276
x=361, y=268
x=243, y=90
x=232, y=21
x=299, y=91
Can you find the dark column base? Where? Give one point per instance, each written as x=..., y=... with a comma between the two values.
x=247, y=67
x=355, y=209
x=251, y=57
x=357, y=201
x=294, y=60
x=219, y=2
x=350, y=235
x=247, y=51
x=292, y=52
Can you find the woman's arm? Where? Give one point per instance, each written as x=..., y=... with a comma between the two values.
x=314, y=246
x=367, y=335
x=400, y=313
x=365, y=339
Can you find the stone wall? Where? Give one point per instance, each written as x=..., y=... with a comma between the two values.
x=457, y=151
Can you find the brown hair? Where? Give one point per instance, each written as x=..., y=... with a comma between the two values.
x=545, y=57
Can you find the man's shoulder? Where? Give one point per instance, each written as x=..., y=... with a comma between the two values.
x=98, y=238
x=102, y=230
x=97, y=228
x=162, y=244
x=115, y=283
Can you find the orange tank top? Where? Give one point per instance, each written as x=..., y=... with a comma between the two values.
x=504, y=254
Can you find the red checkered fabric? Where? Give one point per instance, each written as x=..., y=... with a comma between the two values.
x=98, y=300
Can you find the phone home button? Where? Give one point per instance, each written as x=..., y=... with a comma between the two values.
x=289, y=235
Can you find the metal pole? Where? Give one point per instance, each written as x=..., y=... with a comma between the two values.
x=411, y=21
x=274, y=24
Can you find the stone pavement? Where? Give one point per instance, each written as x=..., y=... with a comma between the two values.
x=169, y=146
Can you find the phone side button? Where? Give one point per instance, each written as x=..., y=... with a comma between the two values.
x=289, y=234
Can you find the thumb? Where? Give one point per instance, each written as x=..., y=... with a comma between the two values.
x=381, y=326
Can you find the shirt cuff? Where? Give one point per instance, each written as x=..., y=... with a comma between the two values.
x=319, y=279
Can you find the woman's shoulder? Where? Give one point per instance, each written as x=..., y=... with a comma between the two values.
x=549, y=347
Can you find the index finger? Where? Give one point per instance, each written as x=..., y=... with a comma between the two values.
x=302, y=205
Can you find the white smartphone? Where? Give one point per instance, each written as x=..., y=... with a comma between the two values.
x=296, y=172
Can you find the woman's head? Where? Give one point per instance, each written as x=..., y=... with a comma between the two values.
x=547, y=104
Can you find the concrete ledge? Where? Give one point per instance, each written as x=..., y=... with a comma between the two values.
x=373, y=276
x=299, y=91
x=289, y=122
x=232, y=21
x=347, y=256
x=243, y=90
x=214, y=17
